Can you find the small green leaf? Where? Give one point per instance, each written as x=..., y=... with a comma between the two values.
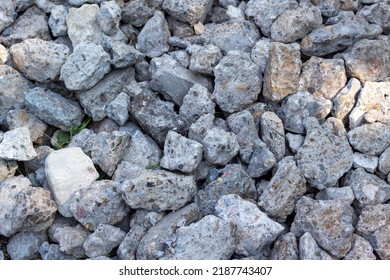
x=79, y=128
x=153, y=165
x=63, y=138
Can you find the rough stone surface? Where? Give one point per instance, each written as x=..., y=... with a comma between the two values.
x=57, y=20
x=138, y=12
x=282, y=75
x=118, y=108
x=345, y=100
x=8, y=14
x=379, y=14
x=254, y=230
x=21, y=118
x=17, y=145
x=294, y=141
x=260, y=53
x=369, y=163
x=285, y=248
x=380, y=242
x=361, y=250
x=67, y=171
x=201, y=127
x=124, y=55
x=343, y=193
x=309, y=249
x=262, y=160
x=109, y=17
x=25, y=245
x=70, y=239
x=372, y=218
x=272, y=133
x=188, y=11
x=204, y=58
x=7, y=169
x=220, y=146
x=384, y=162
x=52, y=252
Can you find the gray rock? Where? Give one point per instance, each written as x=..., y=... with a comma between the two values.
x=52, y=252
x=138, y=12
x=67, y=171
x=70, y=239
x=368, y=189
x=361, y=250
x=309, y=249
x=25, y=245
x=31, y=24
x=237, y=82
x=282, y=75
x=285, y=248
x=103, y=240
x=286, y=187
x=226, y=3
x=199, y=129
x=372, y=105
x=12, y=91
x=328, y=221
x=181, y=56
x=157, y=117
x=243, y=125
x=17, y=145
x=220, y=146
x=379, y=14
x=124, y=55
x=39, y=60
x=173, y=80
x=99, y=203
x=345, y=100
x=96, y=99
x=349, y=5
x=153, y=245
x=180, y=30
x=337, y=37
x=53, y=108
x=254, y=230
x=118, y=108
x=202, y=171
x=196, y=104
x=181, y=153
x=380, y=242
x=153, y=38
x=262, y=160
x=325, y=155
x=384, y=162
x=323, y=77
x=244, y=32
x=295, y=24
x=57, y=20
x=341, y=16
x=109, y=17
x=294, y=141
x=369, y=163
x=194, y=242
x=4, y=55
x=265, y=12
x=158, y=190
x=1, y=255
x=24, y=207
x=22, y=118
x=83, y=25
x=191, y=12
x=8, y=13
x=204, y=58
x=85, y=140
x=328, y=7
x=235, y=13
x=272, y=133
x=260, y=53
x=7, y=169
x=230, y=180
x=371, y=139
x=372, y=218
x=343, y=193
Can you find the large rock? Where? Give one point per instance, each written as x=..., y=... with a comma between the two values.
x=204, y=58
x=220, y=146
x=57, y=20
x=191, y=12
x=138, y=12
x=8, y=13
x=17, y=145
x=379, y=14
x=262, y=160
x=67, y=171
x=345, y=100
x=260, y=53
x=361, y=250
x=25, y=245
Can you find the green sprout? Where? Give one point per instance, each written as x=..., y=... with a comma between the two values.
x=153, y=166
x=65, y=137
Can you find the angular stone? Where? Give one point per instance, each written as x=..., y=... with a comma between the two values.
x=157, y=117
x=328, y=8
x=328, y=221
x=188, y=11
x=124, y=55
x=99, y=203
x=153, y=38
x=25, y=245
x=337, y=37
x=199, y=129
x=245, y=33
x=52, y=252
x=54, y=109
x=286, y=187
x=272, y=133
x=372, y=218
x=67, y=171
x=158, y=190
x=262, y=160
x=181, y=56
x=103, y=240
x=371, y=139
x=295, y=24
x=282, y=75
x=285, y=248
x=31, y=24
x=384, y=162
x=4, y=55
x=109, y=17
x=237, y=82
x=294, y=141
x=153, y=245
x=325, y=155
x=173, y=80
x=309, y=249
x=204, y=58
x=230, y=180
x=323, y=77
x=83, y=25
x=118, y=108
x=345, y=100
x=17, y=145
x=380, y=242
x=369, y=163
x=24, y=207
x=57, y=20
x=138, y=12
x=361, y=250
x=70, y=239
x=260, y=53
x=85, y=67
x=343, y=193
x=96, y=100
x=21, y=118
x=8, y=13
x=7, y=169
x=379, y=14
x=265, y=12
x=254, y=230
x=220, y=146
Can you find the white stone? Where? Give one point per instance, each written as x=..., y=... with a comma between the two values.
x=17, y=145
x=369, y=163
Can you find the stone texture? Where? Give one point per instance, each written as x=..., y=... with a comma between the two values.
x=282, y=75
x=138, y=12
x=262, y=160
x=286, y=187
x=53, y=108
x=8, y=14
x=52, y=252
x=191, y=12
x=254, y=230
x=109, y=17
x=70, y=239
x=380, y=242
x=25, y=245
x=85, y=67
x=21, y=118
x=260, y=53
x=17, y=145
x=323, y=77
x=343, y=193
x=272, y=133
x=199, y=129
x=67, y=171
x=328, y=221
x=294, y=141
x=220, y=146
x=24, y=207
x=57, y=20
x=325, y=155
x=309, y=249
x=379, y=14
x=372, y=218
x=328, y=7
x=369, y=163
x=7, y=169
x=204, y=58
x=237, y=82
x=4, y=55
x=361, y=250
x=285, y=248
x=345, y=100
x=384, y=162
x=99, y=203
x=230, y=180
x=195, y=242
x=124, y=55
x=118, y=108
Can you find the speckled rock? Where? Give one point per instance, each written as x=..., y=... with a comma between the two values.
x=384, y=162
x=361, y=250
x=345, y=100
x=380, y=242
x=52, y=252
x=188, y=11
x=17, y=145
x=285, y=248
x=260, y=53
x=294, y=141
x=70, y=239
x=379, y=14
x=118, y=108
x=372, y=218
x=369, y=163
x=138, y=12
x=57, y=20
x=204, y=58
x=342, y=193
x=7, y=169
x=328, y=7
x=254, y=230
x=8, y=15
x=220, y=146
x=309, y=249
x=22, y=118
x=272, y=133
x=262, y=160
x=25, y=245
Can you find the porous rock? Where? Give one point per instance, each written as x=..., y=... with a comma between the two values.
x=188, y=11
x=345, y=100
x=220, y=146
x=361, y=250
x=272, y=133
x=285, y=248
x=22, y=118
x=309, y=249
x=17, y=145
x=25, y=245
